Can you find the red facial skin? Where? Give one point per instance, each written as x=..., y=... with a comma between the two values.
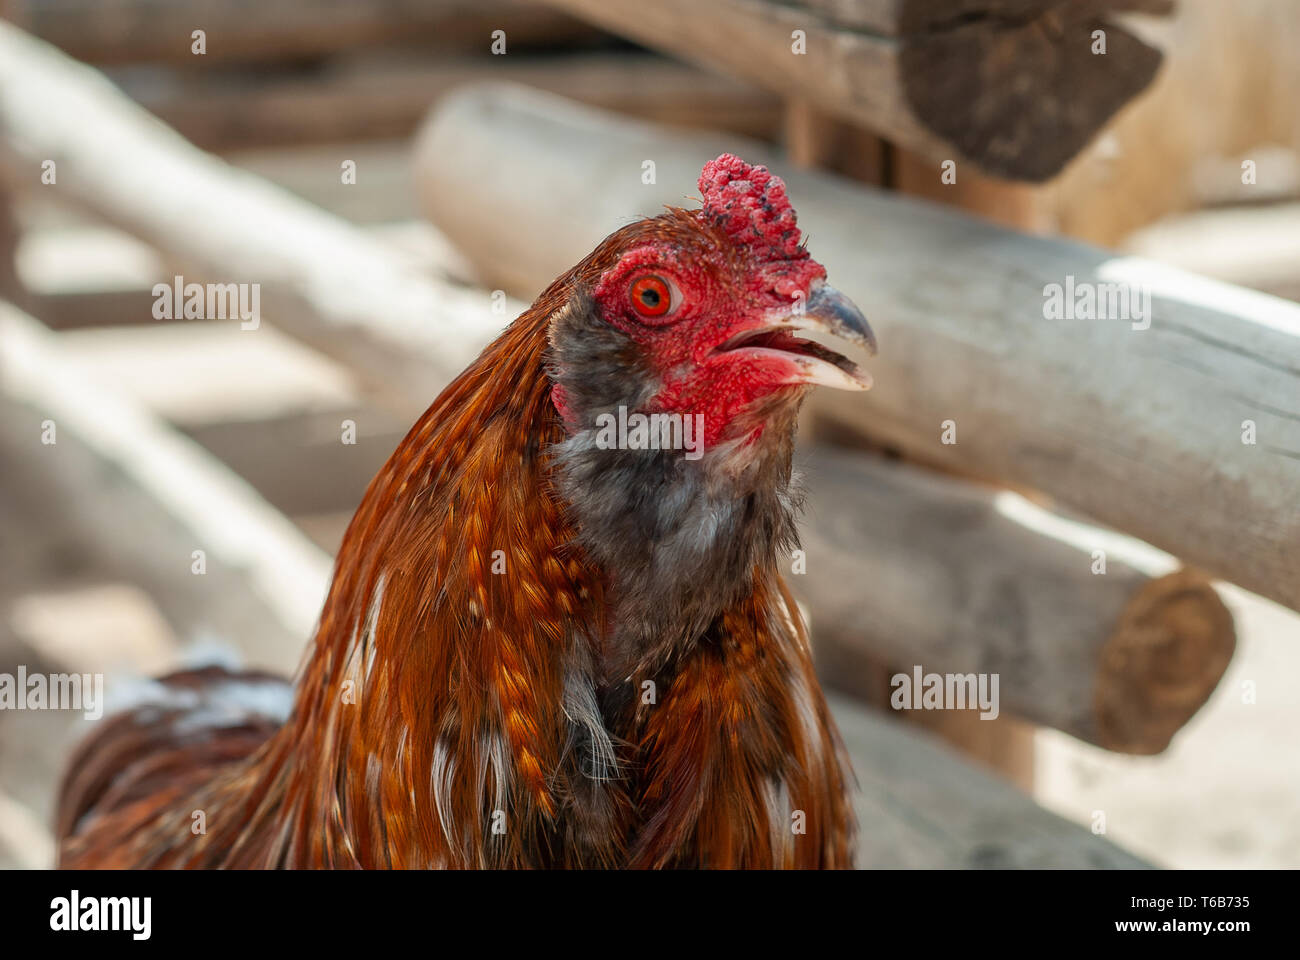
x=735, y=265
x=720, y=294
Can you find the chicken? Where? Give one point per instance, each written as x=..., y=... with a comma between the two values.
x=557, y=633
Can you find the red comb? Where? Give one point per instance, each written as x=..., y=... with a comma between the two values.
x=750, y=205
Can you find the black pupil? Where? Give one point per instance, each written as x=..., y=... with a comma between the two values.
x=650, y=297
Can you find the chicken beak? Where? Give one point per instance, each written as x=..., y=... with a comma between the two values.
x=800, y=361
x=831, y=312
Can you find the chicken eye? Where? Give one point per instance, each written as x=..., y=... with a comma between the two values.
x=652, y=296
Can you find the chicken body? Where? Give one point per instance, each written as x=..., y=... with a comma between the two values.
x=538, y=650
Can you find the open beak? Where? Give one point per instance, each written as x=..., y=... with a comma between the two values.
x=825, y=311
x=832, y=312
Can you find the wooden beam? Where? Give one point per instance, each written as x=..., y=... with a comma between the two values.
x=900, y=17
x=298, y=463
x=924, y=571
x=1012, y=87
x=1139, y=429
x=1019, y=206
x=73, y=309
x=920, y=805
x=814, y=139
x=145, y=498
x=243, y=31
x=373, y=98
x=320, y=278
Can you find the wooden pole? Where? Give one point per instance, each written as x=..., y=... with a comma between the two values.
x=389, y=98
x=1013, y=87
x=145, y=499
x=242, y=31
x=920, y=805
x=319, y=277
x=920, y=570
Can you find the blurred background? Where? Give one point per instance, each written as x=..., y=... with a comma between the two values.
x=362, y=163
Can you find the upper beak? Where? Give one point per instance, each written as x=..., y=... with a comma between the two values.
x=830, y=311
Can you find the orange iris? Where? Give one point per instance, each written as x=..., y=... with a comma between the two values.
x=651, y=296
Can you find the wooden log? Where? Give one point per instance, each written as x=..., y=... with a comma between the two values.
x=69, y=310
x=79, y=275
x=372, y=98
x=1019, y=206
x=1013, y=87
x=921, y=570
x=1182, y=144
x=1140, y=429
x=243, y=31
x=320, y=278
x=898, y=17
x=814, y=139
x=920, y=805
x=296, y=461
x=143, y=498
